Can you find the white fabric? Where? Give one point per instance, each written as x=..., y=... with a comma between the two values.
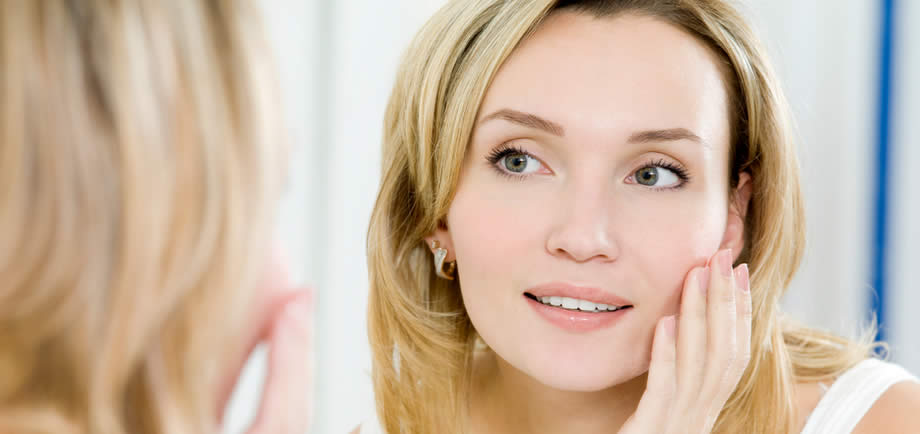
x=842, y=407
x=852, y=395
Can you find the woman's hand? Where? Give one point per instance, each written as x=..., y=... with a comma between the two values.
x=282, y=318
x=699, y=357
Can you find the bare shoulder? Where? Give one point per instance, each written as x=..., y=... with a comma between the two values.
x=357, y=430
x=896, y=411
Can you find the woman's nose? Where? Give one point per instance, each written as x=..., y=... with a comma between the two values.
x=582, y=229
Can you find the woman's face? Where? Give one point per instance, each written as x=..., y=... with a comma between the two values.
x=597, y=171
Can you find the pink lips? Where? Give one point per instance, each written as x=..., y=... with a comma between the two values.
x=572, y=320
x=593, y=295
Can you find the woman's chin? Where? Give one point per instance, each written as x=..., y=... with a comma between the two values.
x=585, y=381
x=573, y=366
x=591, y=375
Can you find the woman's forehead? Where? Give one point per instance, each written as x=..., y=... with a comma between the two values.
x=615, y=74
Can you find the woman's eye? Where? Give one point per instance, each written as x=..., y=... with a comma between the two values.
x=518, y=163
x=655, y=176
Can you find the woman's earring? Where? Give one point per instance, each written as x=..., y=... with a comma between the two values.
x=439, y=255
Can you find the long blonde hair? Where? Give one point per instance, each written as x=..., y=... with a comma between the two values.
x=421, y=337
x=139, y=166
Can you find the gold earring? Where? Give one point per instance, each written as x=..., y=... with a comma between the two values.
x=439, y=255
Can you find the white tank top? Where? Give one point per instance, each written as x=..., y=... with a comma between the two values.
x=839, y=410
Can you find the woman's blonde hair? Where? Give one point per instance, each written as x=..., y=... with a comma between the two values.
x=421, y=337
x=139, y=166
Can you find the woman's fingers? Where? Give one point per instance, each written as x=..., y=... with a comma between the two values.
x=722, y=324
x=725, y=383
x=697, y=360
x=661, y=384
x=745, y=315
x=274, y=291
x=691, y=334
x=286, y=404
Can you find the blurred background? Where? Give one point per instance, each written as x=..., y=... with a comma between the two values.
x=851, y=77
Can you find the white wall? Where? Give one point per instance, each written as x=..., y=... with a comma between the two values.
x=338, y=61
x=824, y=54
x=366, y=40
x=828, y=55
x=905, y=180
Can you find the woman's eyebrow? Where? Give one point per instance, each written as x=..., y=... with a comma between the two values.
x=530, y=120
x=666, y=135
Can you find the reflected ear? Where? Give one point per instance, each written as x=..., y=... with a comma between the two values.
x=440, y=238
x=737, y=211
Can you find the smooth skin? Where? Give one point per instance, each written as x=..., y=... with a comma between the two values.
x=687, y=387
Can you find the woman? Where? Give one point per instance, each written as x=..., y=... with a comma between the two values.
x=609, y=193
x=139, y=172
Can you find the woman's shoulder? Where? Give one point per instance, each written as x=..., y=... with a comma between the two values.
x=896, y=411
x=873, y=396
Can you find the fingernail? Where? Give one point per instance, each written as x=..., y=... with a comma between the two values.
x=724, y=262
x=742, y=278
x=703, y=277
x=670, y=325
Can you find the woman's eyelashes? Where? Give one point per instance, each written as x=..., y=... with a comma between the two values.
x=515, y=162
x=659, y=174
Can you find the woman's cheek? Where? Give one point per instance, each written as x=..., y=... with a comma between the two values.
x=694, y=223
x=667, y=242
x=487, y=228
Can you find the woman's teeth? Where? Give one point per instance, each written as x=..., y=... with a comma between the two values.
x=576, y=304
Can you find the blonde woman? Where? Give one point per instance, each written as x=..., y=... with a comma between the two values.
x=588, y=213
x=140, y=163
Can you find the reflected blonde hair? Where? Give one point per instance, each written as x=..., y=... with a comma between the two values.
x=139, y=165
x=421, y=337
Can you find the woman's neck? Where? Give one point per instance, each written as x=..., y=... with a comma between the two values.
x=506, y=400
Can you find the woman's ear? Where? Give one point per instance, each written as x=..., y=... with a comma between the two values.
x=737, y=211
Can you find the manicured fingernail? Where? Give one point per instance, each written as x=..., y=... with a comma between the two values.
x=670, y=325
x=724, y=262
x=703, y=277
x=742, y=278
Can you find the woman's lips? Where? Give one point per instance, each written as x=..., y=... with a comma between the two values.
x=577, y=321
x=595, y=295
